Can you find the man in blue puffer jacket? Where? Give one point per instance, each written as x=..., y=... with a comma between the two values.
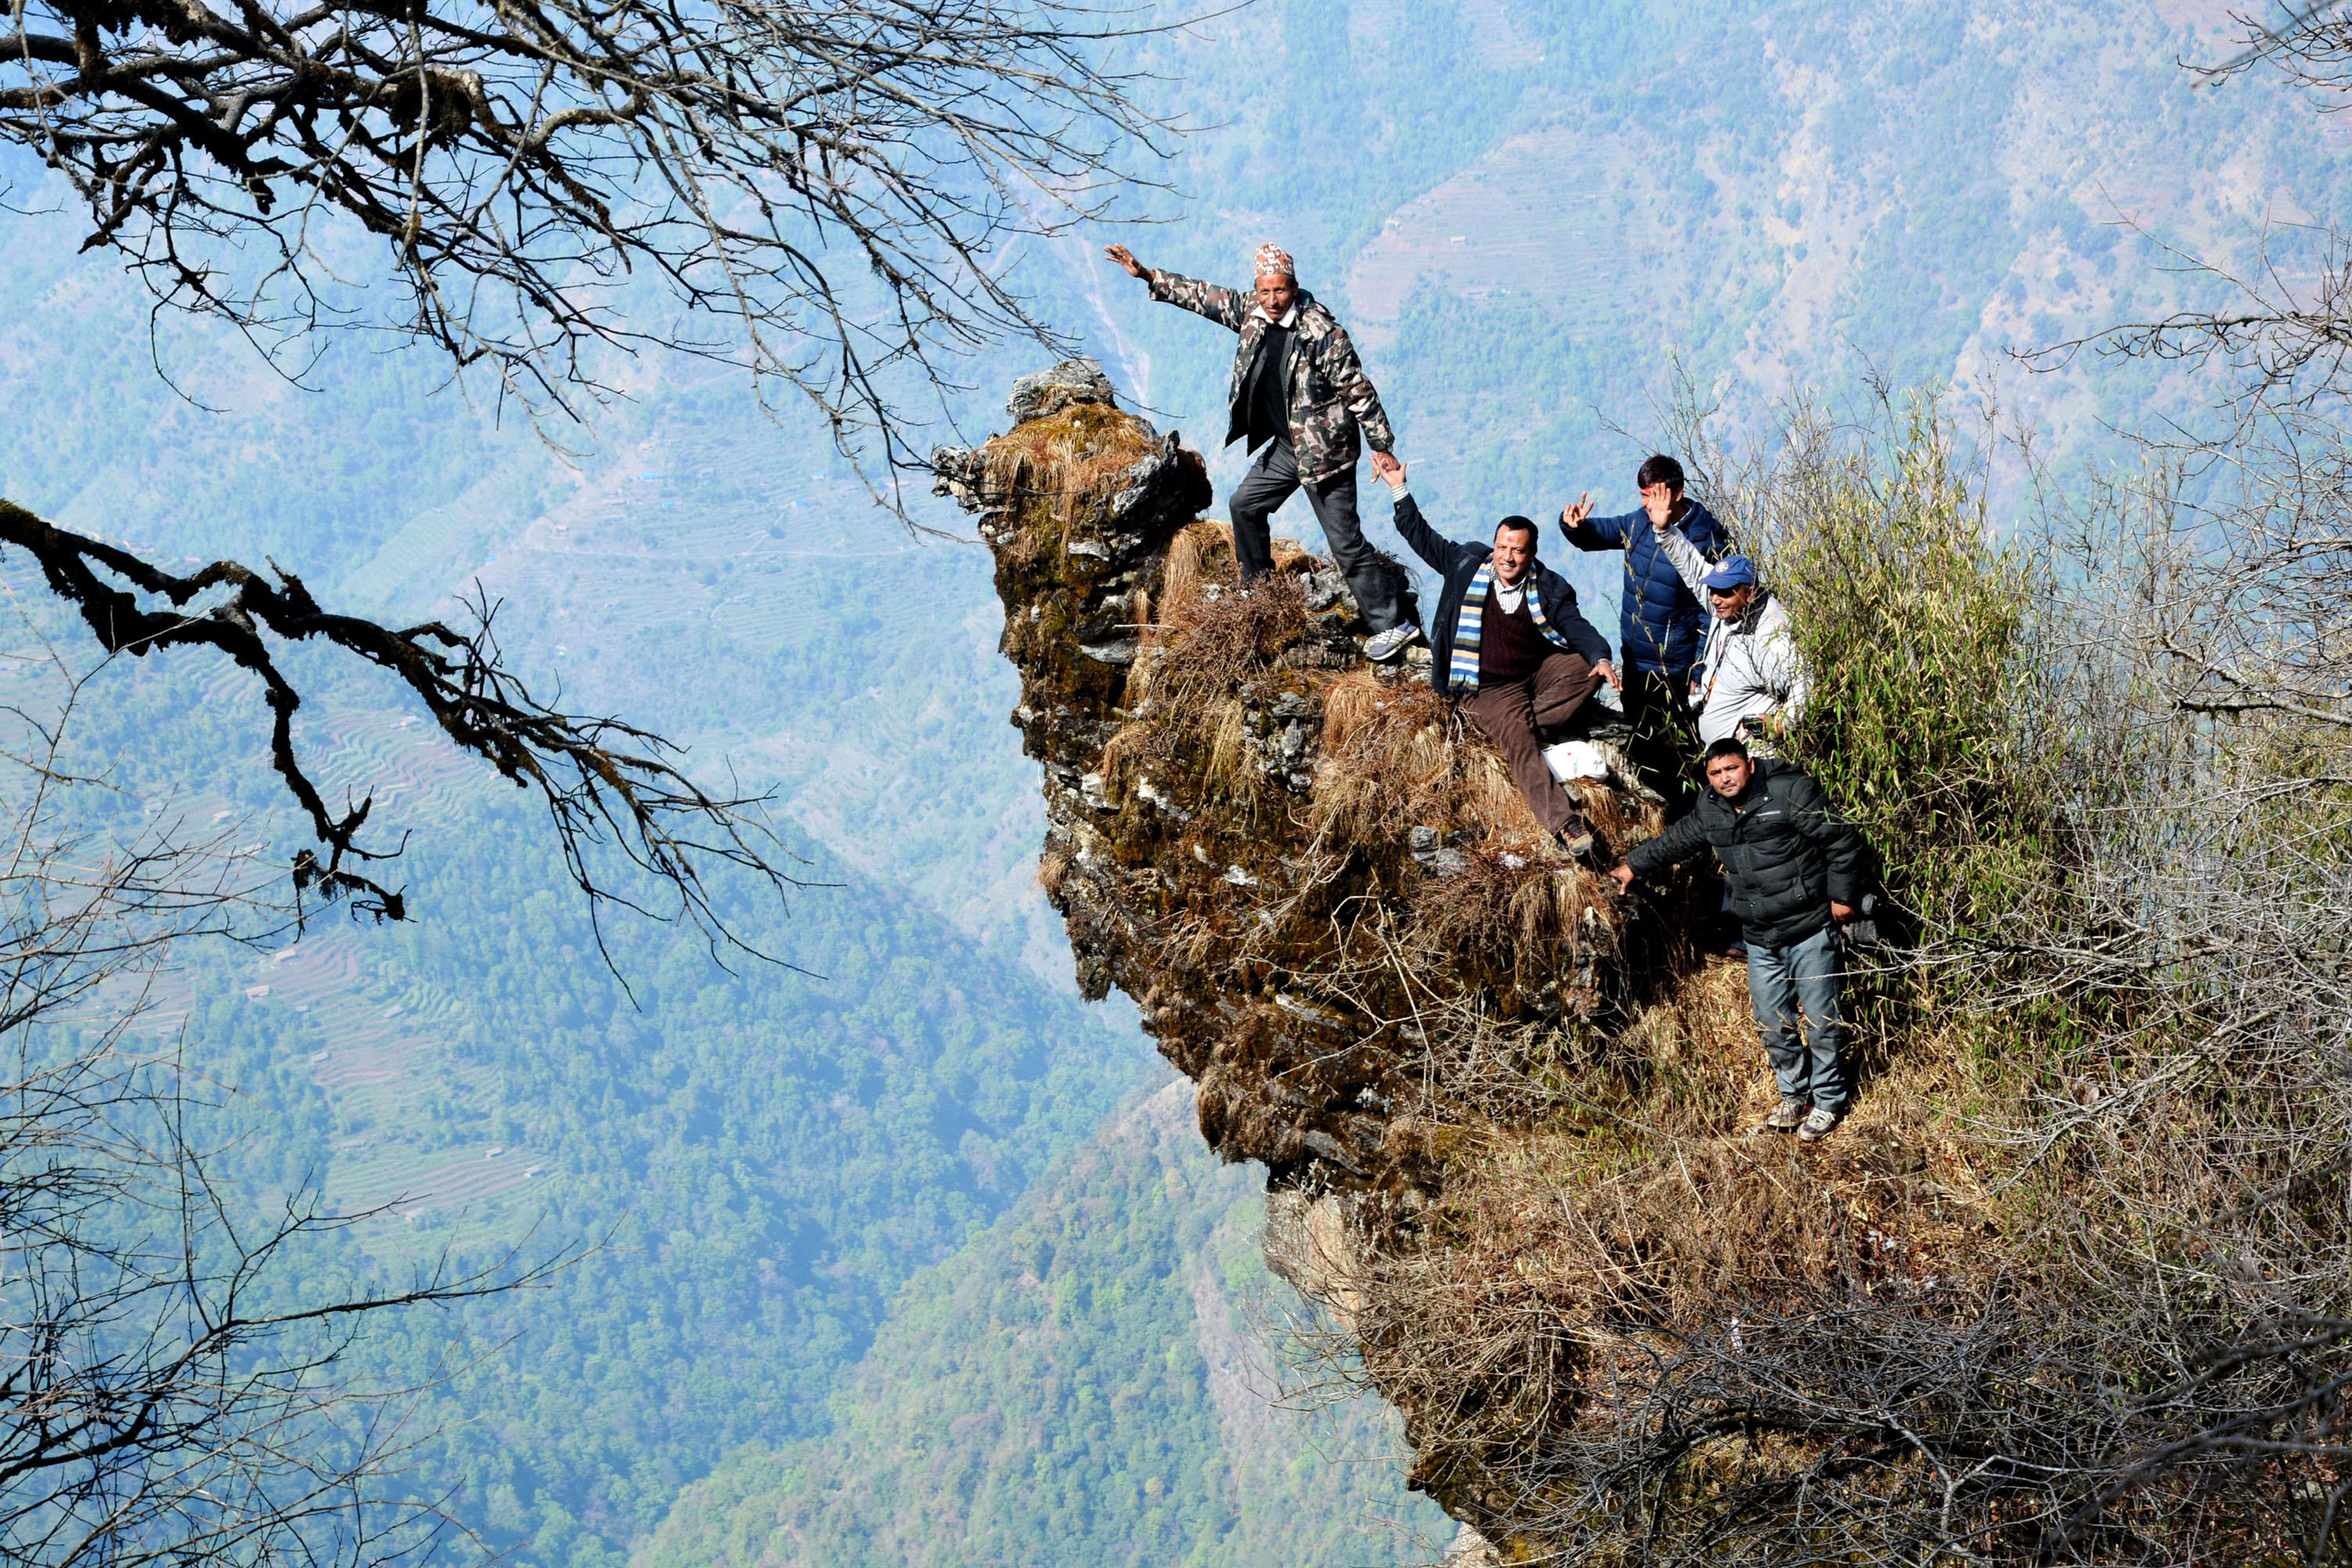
x=1663, y=626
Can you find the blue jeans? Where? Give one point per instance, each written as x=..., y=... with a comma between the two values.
x=1782, y=980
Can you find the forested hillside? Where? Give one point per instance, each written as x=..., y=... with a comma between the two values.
x=1125, y=1418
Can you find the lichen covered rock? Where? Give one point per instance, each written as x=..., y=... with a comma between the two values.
x=1315, y=881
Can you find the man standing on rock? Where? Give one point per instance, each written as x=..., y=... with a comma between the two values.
x=1660, y=626
x=1794, y=869
x=1513, y=649
x=1301, y=399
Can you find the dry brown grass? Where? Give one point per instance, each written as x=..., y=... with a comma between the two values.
x=1400, y=757
x=1135, y=752
x=1673, y=1186
x=1533, y=913
x=1067, y=457
x=1200, y=554
x=1621, y=818
x=1513, y=1330
x=1349, y=701
x=1055, y=466
x=1208, y=647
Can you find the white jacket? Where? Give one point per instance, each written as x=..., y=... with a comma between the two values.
x=1747, y=668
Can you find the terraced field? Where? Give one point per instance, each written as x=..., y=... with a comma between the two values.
x=404, y=1140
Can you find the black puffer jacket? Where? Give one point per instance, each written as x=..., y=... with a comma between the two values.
x=1786, y=854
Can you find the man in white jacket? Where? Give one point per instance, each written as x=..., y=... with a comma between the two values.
x=1748, y=682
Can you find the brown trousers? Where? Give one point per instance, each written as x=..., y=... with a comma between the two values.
x=1510, y=712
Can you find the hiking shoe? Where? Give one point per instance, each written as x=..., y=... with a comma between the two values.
x=1382, y=647
x=1787, y=1116
x=1576, y=838
x=1817, y=1125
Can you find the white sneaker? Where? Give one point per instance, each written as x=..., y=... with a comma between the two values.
x=1382, y=647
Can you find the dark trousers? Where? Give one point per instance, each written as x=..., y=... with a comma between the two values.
x=1510, y=712
x=1803, y=977
x=1665, y=734
x=1271, y=481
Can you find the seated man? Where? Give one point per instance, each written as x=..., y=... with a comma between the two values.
x=1509, y=643
x=1794, y=869
x=1748, y=682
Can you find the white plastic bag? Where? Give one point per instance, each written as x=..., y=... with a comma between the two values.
x=1576, y=760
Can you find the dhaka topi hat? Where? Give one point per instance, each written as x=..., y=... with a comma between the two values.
x=1273, y=262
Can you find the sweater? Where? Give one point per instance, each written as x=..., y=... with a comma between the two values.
x=1457, y=562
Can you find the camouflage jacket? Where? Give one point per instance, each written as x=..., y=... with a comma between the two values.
x=1331, y=395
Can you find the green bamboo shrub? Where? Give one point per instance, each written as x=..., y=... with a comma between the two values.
x=1914, y=621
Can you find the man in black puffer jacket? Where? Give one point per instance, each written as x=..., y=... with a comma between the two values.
x=1794, y=869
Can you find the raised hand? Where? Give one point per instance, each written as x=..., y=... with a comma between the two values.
x=1126, y=258
x=1569, y=516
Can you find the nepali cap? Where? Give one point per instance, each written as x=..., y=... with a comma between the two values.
x=1273, y=262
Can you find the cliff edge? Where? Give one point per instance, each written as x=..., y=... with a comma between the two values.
x=1509, y=1117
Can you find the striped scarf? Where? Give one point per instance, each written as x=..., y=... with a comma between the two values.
x=1462, y=669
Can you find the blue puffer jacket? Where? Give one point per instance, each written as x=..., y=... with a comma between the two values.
x=1663, y=626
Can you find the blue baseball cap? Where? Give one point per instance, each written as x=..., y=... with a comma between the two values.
x=1731, y=572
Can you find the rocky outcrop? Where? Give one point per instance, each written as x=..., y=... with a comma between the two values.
x=1509, y=1122
x=1318, y=888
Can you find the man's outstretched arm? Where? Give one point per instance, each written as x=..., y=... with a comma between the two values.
x=1587, y=531
x=1677, y=844
x=1689, y=565
x=1441, y=553
x=1227, y=307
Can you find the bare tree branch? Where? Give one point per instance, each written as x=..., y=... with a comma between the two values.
x=829, y=189
x=605, y=782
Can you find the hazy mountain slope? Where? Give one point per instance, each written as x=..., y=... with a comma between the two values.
x=1079, y=1386
x=1529, y=214
x=759, y=1159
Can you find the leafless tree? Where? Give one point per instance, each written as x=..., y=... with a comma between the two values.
x=823, y=191
x=2282, y=317
x=170, y=1385
x=609, y=786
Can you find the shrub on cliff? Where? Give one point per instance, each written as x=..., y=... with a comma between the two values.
x=2069, y=1286
x=1917, y=623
